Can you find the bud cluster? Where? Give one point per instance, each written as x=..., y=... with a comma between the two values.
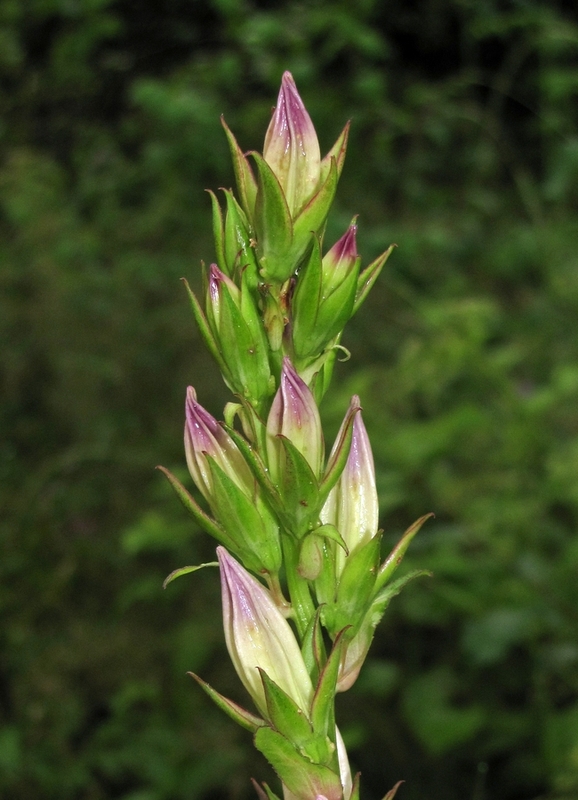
x=272, y=312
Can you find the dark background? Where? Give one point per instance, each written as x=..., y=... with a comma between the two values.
x=464, y=151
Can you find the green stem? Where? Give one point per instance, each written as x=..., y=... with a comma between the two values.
x=298, y=587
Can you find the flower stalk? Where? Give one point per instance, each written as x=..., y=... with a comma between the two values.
x=302, y=577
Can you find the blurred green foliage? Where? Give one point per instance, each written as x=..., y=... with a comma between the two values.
x=464, y=152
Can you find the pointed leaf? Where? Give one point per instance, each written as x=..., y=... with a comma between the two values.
x=264, y=794
x=176, y=573
x=300, y=489
x=312, y=217
x=369, y=276
x=237, y=241
x=301, y=777
x=240, y=715
x=337, y=152
x=313, y=648
x=239, y=516
x=357, y=582
x=273, y=224
x=391, y=794
x=207, y=335
x=393, y=560
x=253, y=459
x=306, y=301
x=284, y=713
x=218, y=232
x=336, y=310
x=355, y=788
x=246, y=183
x=323, y=703
x=339, y=453
x=203, y=519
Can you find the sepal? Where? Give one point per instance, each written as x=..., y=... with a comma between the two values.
x=355, y=588
x=393, y=560
x=177, y=573
x=238, y=251
x=299, y=489
x=246, y=184
x=323, y=703
x=237, y=713
x=392, y=792
x=288, y=719
x=247, y=518
x=200, y=517
x=337, y=154
x=304, y=779
x=273, y=225
x=208, y=337
x=358, y=647
x=313, y=648
x=368, y=277
x=340, y=450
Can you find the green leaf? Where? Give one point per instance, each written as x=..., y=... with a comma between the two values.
x=253, y=459
x=264, y=794
x=301, y=777
x=356, y=584
x=313, y=648
x=393, y=560
x=239, y=516
x=368, y=278
x=176, y=573
x=339, y=454
x=244, y=350
x=323, y=703
x=299, y=488
x=312, y=217
x=239, y=253
x=218, y=233
x=284, y=713
x=383, y=597
x=197, y=512
x=273, y=225
x=240, y=715
x=207, y=336
x=246, y=184
x=337, y=154
x=306, y=301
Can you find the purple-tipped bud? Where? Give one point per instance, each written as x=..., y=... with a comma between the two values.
x=352, y=505
x=294, y=414
x=259, y=636
x=205, y=437
x=339, y=261
x=291, y=147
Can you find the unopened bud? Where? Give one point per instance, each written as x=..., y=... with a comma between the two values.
x=294, y=414
x=291, y=147
x=259, y=636
x=352, y=505
x=205, y=437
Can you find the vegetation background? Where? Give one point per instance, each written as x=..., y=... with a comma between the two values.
x=464, y=151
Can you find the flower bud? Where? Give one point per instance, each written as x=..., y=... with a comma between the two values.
x=259, y=636
x=205, y=437
x=238, y=332
x=352, y=505
x=324, y=296
x=294, y=414
x=291, y=147
x=340, y=262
